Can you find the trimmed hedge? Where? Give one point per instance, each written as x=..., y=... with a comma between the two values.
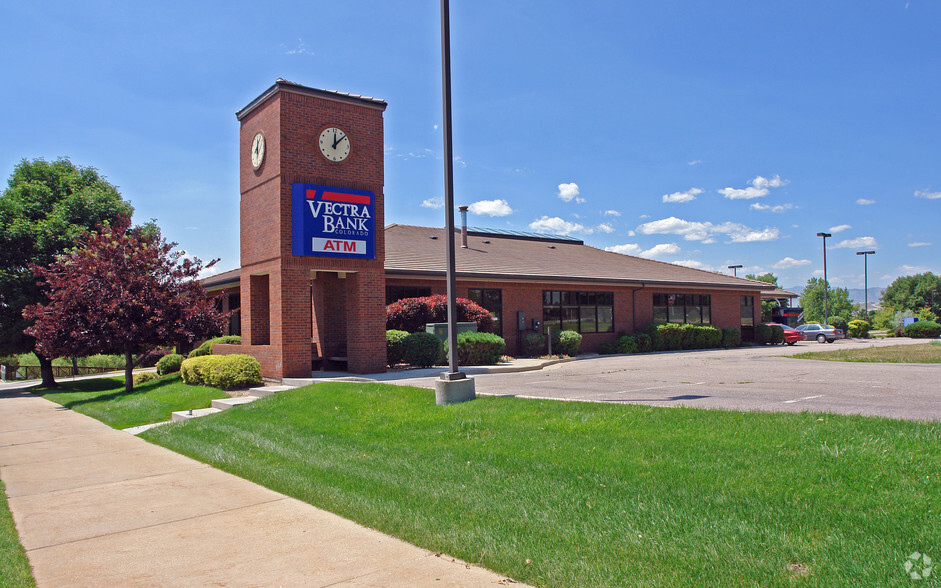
x=144, y=377
x=412, y=314
x=169, y=364
x=765, y=334
x=731, y=337
x=479, y=348
x=923, y=330
x=394, y=347
x=222, y=371
x=627, y=344
x=566, y=343
x=534, y=344
x=206, y=347
x=676, y=336
x=422, y=349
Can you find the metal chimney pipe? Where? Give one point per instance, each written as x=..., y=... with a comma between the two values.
x=463, y=210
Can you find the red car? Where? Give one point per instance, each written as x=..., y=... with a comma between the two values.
x=791, y=336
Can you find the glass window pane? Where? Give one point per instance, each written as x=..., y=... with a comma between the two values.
x=588, y=322
x=547, y=297
x=706, y=314
x=551, y=316
x=570, y=318
x=677, y=314
x=605, y=319
x=606, y=299
x=660, y=314
x=693, y=315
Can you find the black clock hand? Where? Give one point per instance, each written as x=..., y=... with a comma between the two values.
x=335, y=139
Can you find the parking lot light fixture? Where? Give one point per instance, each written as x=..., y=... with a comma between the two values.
x=734, y=269
x=866, y=255
x=826, y=285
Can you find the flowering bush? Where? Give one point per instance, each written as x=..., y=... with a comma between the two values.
x=412, y=314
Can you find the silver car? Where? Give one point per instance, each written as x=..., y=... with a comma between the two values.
x=822, y=333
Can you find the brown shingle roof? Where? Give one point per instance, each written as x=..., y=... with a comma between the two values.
x=412, y=250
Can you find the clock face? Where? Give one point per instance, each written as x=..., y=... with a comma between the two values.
x=258, y=150
x=334, y=144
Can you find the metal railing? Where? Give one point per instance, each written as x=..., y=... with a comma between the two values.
x=32, y=372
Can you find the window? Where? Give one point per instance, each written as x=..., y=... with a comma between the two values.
x=748, y=311
x=585, y=312
x=492, y=300
x=394, y=293
x=682, y=308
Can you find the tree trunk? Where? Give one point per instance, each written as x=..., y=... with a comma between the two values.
x=128, y=371
x=74, y=366
x=45, y=370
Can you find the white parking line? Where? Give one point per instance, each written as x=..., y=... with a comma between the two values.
x=804, y=398
x=659, y=387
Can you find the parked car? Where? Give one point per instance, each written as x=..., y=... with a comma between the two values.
x=820, y=332
x=791, y=335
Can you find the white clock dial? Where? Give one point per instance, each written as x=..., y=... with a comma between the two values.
x=334, y=144
x=258, y=150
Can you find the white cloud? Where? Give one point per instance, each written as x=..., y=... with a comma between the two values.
x=790, y=262
x=687, y=196
x=491, y=207
x=435, y=126
x=760, y=187
x=631, y=233
x=928, y=195
x=864, y=201
x=694, y=162
x=557, y=225
x=913, y=269
x=436, y=202
x=818, y=272
x=706, y=231
x=569, y=192
x=612, y=213
x=769, y=208
x=626, y=249
x=839, y=228
x=869, y=242
x=919, y=244
x=605, y=228
x=661, y=249
x=691, y=263
x=207, y=271
x=299, y=50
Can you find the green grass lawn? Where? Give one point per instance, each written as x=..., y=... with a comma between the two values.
x=151, y=402
x=923, y=353
x=577, y=494
x=14, y=567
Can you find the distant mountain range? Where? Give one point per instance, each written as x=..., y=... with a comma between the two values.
x=857, y=295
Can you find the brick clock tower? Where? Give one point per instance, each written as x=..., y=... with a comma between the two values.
x=312, y=238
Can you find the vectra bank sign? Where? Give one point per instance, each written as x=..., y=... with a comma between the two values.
x=332, y=222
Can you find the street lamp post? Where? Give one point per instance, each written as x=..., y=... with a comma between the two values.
x=866, y=255
x=734, y=269
x=826, y=285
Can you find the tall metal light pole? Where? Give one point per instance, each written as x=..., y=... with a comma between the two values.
x=826, y=285
x=735, y=269
x=866, y=255
x=453, y=385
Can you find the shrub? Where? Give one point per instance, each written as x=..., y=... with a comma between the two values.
x=858, y=328
x=222, y=371
x=206, y=347
x=169, y=364
x=899, y=332
x=394, y=348
x=665, y=336
x=144, y=377
x=534, y=344
x=421, y=349
x=608, y=348
x=644, y=344
x=12, y=362
x=566, y=343
x=479, y=348
x=762, y=334
x=923, y=330
x=731, y=338
x=412, y=314
x=627, y=344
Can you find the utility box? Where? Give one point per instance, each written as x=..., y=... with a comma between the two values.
x=440, y=330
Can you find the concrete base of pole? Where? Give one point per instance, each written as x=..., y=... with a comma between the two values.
x=454, y=391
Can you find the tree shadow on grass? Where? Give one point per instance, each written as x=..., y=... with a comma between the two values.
x=115, y=385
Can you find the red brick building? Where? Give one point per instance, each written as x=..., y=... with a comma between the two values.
x=304, y=294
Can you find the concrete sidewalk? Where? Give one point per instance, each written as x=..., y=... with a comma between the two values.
x=95, y=506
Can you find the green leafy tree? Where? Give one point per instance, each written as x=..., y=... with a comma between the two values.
x=123, y=291
x=44, y=210
x=766, y=305
x=838, y=302
x=921, y=291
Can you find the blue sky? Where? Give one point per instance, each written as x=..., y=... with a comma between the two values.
x=706, y=134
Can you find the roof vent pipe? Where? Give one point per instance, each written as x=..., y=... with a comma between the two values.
x=463, y=210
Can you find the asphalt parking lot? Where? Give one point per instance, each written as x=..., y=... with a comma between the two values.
x=749, y=378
